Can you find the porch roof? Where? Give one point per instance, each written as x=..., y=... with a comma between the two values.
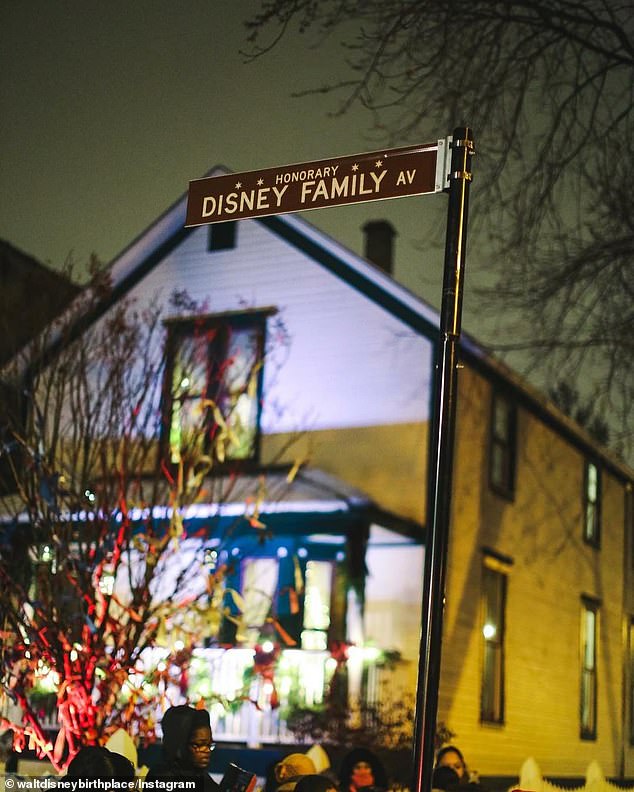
x=310, y=502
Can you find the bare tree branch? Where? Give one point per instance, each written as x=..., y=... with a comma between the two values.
x=548, y=88
x=95, y=557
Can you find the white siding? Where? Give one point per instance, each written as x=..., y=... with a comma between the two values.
x=350, y=362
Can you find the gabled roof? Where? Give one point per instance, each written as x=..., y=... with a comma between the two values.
x=168, y=231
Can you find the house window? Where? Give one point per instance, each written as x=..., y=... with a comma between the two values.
x=628, y=511
x=317, y=594
x=259, y=586
x=631, y=678
x=502, y=446
x=296, y=600
x=214, y=371
x=592, y=505
x=222, y=236
x=589, y=632
x=493, y=628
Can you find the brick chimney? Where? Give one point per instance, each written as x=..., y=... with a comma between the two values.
x=379, y=244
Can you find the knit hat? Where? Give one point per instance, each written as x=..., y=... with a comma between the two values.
x=294, y=765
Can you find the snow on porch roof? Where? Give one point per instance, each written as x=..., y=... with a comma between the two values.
x=312, y=501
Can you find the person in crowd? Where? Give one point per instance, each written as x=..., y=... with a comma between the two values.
x=124, y=768
x=449, y=759
x=361, y=769
x=445, y=778
x=187, y=746
x=316, y=783
x=96, y=761
x=291, y=769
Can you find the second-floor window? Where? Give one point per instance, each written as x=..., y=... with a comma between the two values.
x=222, y=236
x=214, y=379
x=502, y=445
x=592, y=505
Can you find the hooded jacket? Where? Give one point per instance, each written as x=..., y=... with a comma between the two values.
x=178, y=724
x=362, y=755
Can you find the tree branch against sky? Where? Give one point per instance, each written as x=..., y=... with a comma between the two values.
x=547, y=88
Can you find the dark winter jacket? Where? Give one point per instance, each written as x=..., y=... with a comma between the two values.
x=346, y=780
x=178, y=724
x=447, y=779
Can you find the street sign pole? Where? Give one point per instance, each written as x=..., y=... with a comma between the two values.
x=374, y=176
x=441, y=461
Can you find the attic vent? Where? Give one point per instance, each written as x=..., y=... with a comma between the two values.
x=379, y=244
x=222, y=236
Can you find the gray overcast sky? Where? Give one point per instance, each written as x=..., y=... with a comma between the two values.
x=109, y=109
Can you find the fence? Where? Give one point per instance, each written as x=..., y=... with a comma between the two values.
x=531, y=780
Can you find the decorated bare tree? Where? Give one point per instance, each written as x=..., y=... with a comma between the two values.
x=547, y=88
x=97, y=563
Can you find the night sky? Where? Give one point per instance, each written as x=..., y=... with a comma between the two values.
x=109, y=109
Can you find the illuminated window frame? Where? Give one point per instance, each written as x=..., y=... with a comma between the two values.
x=630, y=665
x=493, y=632
x=213, y=332
x=592, y=504
x=314, y=599
x=259, y=586
x=502, y=445
x=317, y=616
x=589, y=644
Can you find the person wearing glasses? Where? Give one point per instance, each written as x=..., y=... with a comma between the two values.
x=187, y=747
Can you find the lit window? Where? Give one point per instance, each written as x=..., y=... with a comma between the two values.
x=215, y=377
x=493, y=608
x=267, y=591
x=631, y=678
x=502, y=446
x=592, y=505
x=318, y=589
x=259, y=585
x=589, y=634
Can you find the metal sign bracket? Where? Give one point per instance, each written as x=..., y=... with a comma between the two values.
x=443, y=164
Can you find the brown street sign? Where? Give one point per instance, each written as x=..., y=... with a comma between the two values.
x=391, y=173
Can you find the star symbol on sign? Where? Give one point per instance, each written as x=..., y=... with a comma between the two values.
x=260, y=182
x=238, y=185
x=355, y=167
x=378, y=164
